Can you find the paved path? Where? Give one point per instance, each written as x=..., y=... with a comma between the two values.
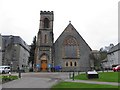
x=93, y=82
x=36, y=80
x=45, y=80
x=29, y=82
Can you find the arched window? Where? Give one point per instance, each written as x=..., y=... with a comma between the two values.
x=45, y=38
x=75, y=63
x=71, y=64
x=46, y=23
x=70, y=48
x=66, y=64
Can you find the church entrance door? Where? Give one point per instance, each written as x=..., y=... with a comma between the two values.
x=44, y=63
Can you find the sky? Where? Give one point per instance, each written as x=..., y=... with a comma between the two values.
x=95, y=20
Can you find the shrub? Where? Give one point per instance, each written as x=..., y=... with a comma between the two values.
x=8, y=78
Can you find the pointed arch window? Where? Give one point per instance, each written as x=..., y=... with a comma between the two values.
x=70, y=48
x=66, y=64
x=45, y=39
x=75, y=63
x=46, y=23
x=71, y=64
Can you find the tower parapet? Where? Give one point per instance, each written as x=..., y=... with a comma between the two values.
x=46, y=12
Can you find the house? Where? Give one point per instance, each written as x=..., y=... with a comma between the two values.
x=112, y=57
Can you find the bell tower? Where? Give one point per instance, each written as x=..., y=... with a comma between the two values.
x=45, y=38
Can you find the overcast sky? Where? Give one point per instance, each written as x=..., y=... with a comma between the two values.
x=95, y=20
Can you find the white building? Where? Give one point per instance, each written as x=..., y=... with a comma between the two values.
x=112, y=57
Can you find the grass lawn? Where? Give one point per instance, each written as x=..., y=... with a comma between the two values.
x=81, y=85
x=103, y=76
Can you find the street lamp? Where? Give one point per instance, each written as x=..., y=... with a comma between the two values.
x=11, y=66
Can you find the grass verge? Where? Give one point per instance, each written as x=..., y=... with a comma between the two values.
x=81, y=85
x=103, y=76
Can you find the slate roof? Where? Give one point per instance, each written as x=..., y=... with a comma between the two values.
x=8, y=39
x=70, y=25
x=114, y=49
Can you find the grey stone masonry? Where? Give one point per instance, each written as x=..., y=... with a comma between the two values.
x=70, y=52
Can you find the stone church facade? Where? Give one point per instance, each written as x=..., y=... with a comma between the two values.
x=70, y=51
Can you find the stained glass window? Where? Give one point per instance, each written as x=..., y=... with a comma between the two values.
x=70, y=48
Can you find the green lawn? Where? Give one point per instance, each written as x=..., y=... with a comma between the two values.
x=103, y=76
x=80, y=85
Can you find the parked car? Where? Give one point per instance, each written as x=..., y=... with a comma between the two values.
x=57, y=68
x=4, y=69
x=117, y=68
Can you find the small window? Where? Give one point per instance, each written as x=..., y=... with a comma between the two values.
x=70, y=63
x=67, y=64
x=45, y=38
x=75, y=63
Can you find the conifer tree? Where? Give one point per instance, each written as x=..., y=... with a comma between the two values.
x=32, y=51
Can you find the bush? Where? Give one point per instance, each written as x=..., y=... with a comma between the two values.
x=8, y=78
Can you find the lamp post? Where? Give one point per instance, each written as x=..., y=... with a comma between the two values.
x=11, y=66
x=19, y=71
x=49, y=67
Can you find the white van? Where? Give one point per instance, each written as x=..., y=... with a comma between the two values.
x=4, y=69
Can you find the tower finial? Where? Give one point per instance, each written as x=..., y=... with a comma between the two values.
x=69, y=21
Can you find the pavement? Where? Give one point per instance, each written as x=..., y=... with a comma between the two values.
x=29, y=82
x=46, y=80
x=36, y=80
x=93, y=82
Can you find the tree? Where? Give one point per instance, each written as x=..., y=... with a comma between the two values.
x=32, y=52
x=103, y=55
x=95, y=56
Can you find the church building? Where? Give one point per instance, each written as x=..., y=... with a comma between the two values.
x=70, y=52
